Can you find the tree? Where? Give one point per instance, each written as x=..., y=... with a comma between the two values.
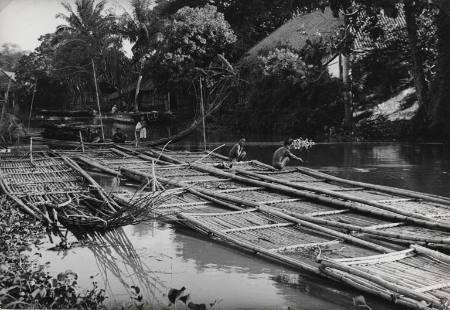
x=38, y=68
x=142, y=28
x=410, y=8
x=191, y=39
x=441, y=89
x=89, y=36
x=251, y=20
x=288, y=92
x=9, y=56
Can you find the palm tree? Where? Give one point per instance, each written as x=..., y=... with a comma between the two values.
x=142, y=28
x=87, y=35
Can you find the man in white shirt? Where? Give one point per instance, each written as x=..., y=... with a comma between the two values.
x=141, y=130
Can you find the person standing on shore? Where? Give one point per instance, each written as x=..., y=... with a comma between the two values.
x=283, y=154
x=141, y=130
x=237, y=152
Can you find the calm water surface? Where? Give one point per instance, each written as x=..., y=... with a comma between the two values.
x=157, y=256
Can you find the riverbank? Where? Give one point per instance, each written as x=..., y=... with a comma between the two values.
x=24, y=279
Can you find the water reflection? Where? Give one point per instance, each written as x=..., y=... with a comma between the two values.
x=115, y=254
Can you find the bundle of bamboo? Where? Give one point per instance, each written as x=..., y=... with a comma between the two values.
x=56, y=189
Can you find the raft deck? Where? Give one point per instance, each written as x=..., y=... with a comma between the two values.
x=286, y=223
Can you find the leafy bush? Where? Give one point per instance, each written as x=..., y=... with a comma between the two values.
x=288, y=94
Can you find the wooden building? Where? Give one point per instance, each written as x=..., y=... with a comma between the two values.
x=8, y=88
x=149, y=98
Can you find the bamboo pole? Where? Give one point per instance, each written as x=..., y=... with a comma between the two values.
x=305, y=245
x=435, y=254
x=257, y=227
x=22, y=205
x=95, y=164
x=98, y=99
x=166, y=157
x=382, y=188
x=223, y=157
x=203, y=114
x=387, y=284
x=393, y=214
x=119, y=152
x=109, y=202
x=31, y=105
x=81, y=141
x=153, y=177
x=31, y=150
x=123, y=151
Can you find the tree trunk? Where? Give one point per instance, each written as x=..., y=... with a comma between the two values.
x=348, y=111
x=441, y=91
x=416, y=58
x=136, y=95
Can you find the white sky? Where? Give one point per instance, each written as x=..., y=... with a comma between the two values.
x=23, y=21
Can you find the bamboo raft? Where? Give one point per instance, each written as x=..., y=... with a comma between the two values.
x=342, y=215
x=276, y=221
x=111, y=161
x=295, y=242
x=56, y=190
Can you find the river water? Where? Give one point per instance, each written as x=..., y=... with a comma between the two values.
x=157, y=256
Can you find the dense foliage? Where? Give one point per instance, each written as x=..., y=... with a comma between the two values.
x=24, y=280
x=192, y=39
x=175, y=41
x=284, y=93
x=9, y=56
